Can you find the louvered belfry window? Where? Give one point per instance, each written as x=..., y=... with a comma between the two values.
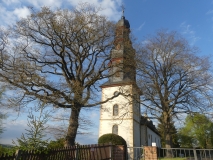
x=115, y=110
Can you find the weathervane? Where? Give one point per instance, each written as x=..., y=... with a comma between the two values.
x=122, y=7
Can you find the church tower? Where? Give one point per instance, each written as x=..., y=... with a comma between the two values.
x=121, y=115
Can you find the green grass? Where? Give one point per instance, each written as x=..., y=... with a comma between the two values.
x=172, y=158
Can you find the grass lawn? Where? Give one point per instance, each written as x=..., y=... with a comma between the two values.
x=172, y=158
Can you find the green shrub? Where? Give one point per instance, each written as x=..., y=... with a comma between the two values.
x=59, y=143
x=113, y=138
x=6, y=150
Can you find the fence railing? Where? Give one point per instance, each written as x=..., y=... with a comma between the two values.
x=186, y=153
x=83, y=152
x=134, y=153
x=154, y=153
x=109, y=152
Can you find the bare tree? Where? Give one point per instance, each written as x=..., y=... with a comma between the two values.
x=3, y=39
x=3, y=42
x=59, y=127
x=173, y=79
x=59, y=57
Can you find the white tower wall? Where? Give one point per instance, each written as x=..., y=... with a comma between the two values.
x=128, y=114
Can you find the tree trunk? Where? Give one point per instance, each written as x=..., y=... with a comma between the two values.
x=168, y=145
x=168, y=141
x=73, y=126
x=167, y=134
x=167, y=124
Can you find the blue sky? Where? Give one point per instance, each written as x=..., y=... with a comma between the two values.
x=193, y=19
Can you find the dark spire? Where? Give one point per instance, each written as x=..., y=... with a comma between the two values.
x=122, y=10
x=122, y=56
x=123, y=21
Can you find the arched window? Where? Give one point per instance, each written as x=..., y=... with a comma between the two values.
x=115, y=129
x=115, y=110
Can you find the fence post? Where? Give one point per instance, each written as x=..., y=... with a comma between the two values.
x=195, y=153
x=110, y=150
x=76, y=153
x=18, y=154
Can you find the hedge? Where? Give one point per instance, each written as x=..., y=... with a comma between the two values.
x=113, y=138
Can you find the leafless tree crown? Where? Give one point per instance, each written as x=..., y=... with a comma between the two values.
x=58, y=57
x=173, y=78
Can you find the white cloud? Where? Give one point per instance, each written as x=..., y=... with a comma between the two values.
x=141, y=26
x=87, y=139
x=6, y=17
x=48, y=3
x=209, y=12
x=145, y=42
x=187, y=29
x=189, y=33
x=22, y=12
x=13, y=130
x=10, y=2
x=110, y=7
x=13, y=10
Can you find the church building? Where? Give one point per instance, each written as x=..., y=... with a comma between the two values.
x=122, y=114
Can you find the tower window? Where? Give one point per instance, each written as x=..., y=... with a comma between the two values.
x=115, y=110
x=115, y=129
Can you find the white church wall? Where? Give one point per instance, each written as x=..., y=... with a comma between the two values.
x=136, y=104
x=143, y=135
x=128, y=118
x=153, y=138
x=148, y=135
x=124, y=119
x=136, y=134
x=124, y=103
x=125, y=129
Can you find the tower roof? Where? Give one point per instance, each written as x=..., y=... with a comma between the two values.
x=123, y=22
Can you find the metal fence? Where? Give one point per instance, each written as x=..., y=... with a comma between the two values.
x=138, y=153
x=134, y=153
x=107, y=151
x=186, y=153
